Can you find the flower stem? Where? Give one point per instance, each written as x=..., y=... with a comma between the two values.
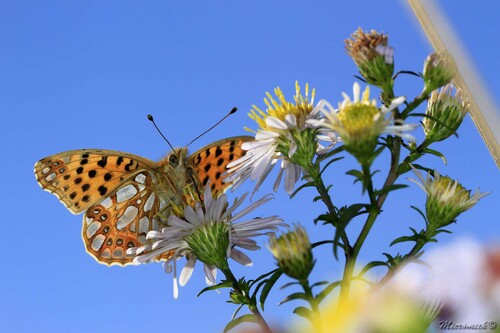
x=372, y=216
x=313, y=302
x=314, y=172
x=393, y=270
x=249, y=301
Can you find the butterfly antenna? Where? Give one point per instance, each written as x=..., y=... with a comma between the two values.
x=150, y=118
x=233, y=110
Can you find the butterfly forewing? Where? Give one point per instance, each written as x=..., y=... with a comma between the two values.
x=82, y=178
x=210, y=162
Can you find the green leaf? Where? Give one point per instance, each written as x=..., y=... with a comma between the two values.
x=286, y=285
x=224, y=284
x=421, y=214
x=327, y=291
x=371, y=265
x=346, y=214
x=317, y=284
x=403, y=239
x=237, y=310
x=329, y=163
x=294, y=296
x=252, y=282
x=248, y=318
x=421, y=167
x=268, y=286
x=356, y=174
x=316, y=244
x=436, y=153
x=308, y=184
x=303, y=312
x=330, y=154
x=388, y=189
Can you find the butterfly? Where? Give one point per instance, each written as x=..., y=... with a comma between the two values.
x=124, y=195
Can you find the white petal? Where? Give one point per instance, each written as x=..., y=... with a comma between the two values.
x=241, y=258
x=191, y=216
x=210, y=274
x=258, y=143
x=264, y=135
x=291, y=120
x=175, y=286
x=275, y=123
x=356, y=90
x=278, y=180
x=292, y=149
x=187, y=271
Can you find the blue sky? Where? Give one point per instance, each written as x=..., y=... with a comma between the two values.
x=84, y=74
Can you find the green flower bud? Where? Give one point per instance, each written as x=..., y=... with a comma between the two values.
x=446, y=199
x=439, y=69
x=292, y=251
x=373, y=56
x=209, y=243
x=445, y=114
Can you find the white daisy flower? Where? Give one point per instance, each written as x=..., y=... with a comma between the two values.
x=359, y=122
x=285, y=137
x=209, y=233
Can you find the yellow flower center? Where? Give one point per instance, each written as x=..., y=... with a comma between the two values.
x=279, y=108
x=357, y=118
x=443, y=187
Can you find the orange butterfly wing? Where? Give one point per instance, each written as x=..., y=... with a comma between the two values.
x=121, y=192
x=210, y=162
x=116, y=189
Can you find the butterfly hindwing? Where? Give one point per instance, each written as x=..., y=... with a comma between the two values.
x=122, y=220
x=82, y=178
x=210, y=162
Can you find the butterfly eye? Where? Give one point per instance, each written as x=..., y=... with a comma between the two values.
x=173, y=160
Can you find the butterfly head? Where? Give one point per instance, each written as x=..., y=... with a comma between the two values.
x=176, y=160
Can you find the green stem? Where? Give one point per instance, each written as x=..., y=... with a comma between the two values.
x=314, y=172
x=313, y=302
x=412, y=157
x=249, y=301
x=396, y=268
x=372, y=216
x=414, y=104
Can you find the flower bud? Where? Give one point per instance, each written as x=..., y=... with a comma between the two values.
x=445, y=113
x=373, y=56
x=446, y=199
x=292, y=251
x=439, y=69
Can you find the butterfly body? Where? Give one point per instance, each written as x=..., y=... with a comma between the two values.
x=124, y=196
